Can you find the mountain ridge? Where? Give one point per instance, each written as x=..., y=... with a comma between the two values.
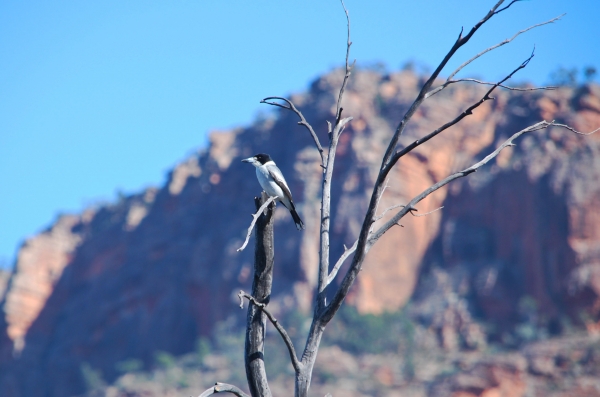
x=156, y=270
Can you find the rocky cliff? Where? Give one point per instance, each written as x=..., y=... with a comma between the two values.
x=518, y=242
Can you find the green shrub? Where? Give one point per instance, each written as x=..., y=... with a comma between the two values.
x=129, y=365
x=164, y=360
x=369, y=333
x=92, y=377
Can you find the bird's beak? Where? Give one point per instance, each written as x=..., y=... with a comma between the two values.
x=249, y=160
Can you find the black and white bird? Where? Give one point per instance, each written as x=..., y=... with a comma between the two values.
x=273, y=183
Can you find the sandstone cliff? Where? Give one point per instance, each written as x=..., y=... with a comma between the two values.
x=518, y=241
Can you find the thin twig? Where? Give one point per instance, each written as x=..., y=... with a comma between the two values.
x=573, y=129
x=301, y=122
x=286, y=339
x=504, y=42
x=340, y=262
x=547, y=88
x=224, y=388
x=425, y=214
x=254, y=219
x=505, y=8
x=338, y=111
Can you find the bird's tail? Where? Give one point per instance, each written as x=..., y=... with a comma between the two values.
x=297, y=220
x=289, y=204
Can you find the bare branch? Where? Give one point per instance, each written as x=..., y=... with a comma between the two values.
x=340, y=262
x=254, y=218
x=339, y=128
x=460, y=41
x=286, y=339
x=338, y=111
x=504, y=42
x=427, y=213
x=573, y=129
x=224, y=388
x=509, y=142
x=301, y=122
x=546, y=88
x=505, y=8
x=461, y=116
x=326, y=211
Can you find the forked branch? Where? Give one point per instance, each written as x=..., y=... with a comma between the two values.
x=286, y=338
x=254, y=218
x=450, y=79
x=335, y=132
x=505, y=8
x=460, y=41
x=303, y=122
x=457, y=119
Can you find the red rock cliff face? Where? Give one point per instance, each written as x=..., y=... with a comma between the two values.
x=520, y=233
x=158, y=269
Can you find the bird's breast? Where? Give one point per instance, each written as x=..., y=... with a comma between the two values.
x=267, y=183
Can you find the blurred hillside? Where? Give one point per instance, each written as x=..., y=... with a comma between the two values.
x=511, y=265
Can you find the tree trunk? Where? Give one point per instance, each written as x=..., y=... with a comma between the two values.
x=309, y=357
x=261, y=291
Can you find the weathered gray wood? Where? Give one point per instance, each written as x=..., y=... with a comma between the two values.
x=223, y=388
x=261, y=291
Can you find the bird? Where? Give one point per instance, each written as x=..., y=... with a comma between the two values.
x=273, y=183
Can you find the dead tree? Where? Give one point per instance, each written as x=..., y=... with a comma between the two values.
x=371, y=230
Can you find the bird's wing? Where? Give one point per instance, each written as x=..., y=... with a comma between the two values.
x=279, y=180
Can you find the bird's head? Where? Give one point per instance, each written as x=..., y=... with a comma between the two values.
x=258, y=159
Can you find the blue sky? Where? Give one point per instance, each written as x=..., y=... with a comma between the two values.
x=106, y=96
